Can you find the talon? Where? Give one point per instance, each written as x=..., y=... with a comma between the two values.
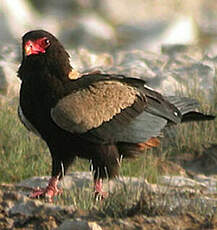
x=99, y=193
x=49, y=192
x=100, y=196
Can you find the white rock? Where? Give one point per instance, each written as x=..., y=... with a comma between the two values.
x=85, y=180
x=179, y=181
x=9, y=82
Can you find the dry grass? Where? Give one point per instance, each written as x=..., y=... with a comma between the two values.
x=23, y=155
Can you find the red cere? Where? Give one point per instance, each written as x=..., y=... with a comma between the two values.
x=35, y=47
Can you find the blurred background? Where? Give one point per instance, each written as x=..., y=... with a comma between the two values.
x=172, y=44
x=111, y=25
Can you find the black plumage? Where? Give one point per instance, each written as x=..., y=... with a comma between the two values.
x=94, y=116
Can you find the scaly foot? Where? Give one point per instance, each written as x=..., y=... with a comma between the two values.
x=49, y=192
x=98, y=189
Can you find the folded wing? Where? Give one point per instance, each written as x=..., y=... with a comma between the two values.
x=114, y=111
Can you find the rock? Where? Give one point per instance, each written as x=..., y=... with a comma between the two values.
x=83, y=60
x=196, y=22
x=78, y=179
x=78, y=225
x=205, y=163
x=84, y=181
x=9, y=82
x=125, y=224
x=209, y=182
x=175, y=71
x=25, y=207
x=179, y=181
x=15, y=203
x=18, y=211
x=91, y=31
x=172, y=195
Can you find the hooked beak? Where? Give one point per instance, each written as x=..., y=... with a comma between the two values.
x=33, y=48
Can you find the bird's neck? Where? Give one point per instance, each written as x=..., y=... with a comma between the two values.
x=58, y=64
x=58, y=68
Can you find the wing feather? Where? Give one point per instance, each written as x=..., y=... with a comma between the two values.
x=114, y=109
x=88, y=108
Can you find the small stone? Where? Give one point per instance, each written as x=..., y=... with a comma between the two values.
x=78, y=225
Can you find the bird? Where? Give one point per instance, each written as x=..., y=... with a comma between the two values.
x=97, y=116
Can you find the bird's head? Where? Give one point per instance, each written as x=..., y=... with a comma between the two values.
x=37, y=46
x=42, y=49
x=38, y=42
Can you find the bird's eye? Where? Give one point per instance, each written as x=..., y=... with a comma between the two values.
x=47, y=41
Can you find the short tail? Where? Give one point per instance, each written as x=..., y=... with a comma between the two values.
x=196, y=116
x=188, y=108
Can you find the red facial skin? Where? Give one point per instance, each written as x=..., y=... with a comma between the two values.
x=37, y=46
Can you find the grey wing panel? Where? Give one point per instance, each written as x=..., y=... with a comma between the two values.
x=184, y=104
x=141, y=129
x=160, y=106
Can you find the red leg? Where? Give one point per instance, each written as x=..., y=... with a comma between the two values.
x=98, y=189
x=49, y=192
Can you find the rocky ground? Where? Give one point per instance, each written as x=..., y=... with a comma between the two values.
x=186, y=201
x=17, y=211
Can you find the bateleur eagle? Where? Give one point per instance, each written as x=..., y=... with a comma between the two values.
x=100, y=117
